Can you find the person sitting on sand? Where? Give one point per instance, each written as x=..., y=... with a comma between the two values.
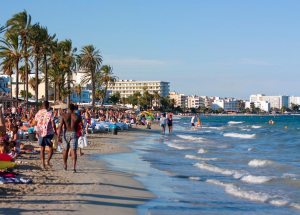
x=16, y=138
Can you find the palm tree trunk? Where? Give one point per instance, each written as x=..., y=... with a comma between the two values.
x=69, y=88
x=93, y=89
x=10, y=83
x=36, y=79
x=54, y=90
x=104, y=94
x=26, y=72
x=17, y=80
x=46, y=77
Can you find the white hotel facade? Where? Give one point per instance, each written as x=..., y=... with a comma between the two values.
x=129, y=87
x=227, y=104
x=275, y=101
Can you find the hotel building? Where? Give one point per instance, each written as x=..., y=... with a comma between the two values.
x=180, y=99
x=129, y=87
x=275, y=101
x=226, y=104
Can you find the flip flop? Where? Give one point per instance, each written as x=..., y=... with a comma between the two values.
x=49, y=166
x=65, y=168
x=74, y=170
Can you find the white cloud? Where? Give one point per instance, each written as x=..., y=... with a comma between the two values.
x=132, y=61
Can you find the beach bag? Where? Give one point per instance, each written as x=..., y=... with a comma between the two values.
x=80, y=142
x=54, y=141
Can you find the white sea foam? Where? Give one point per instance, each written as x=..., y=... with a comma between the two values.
x=237, y=135
x=279, y=202
x=257, y=162
x=246, y=129
x=212, y=168
x=295, y=205
x=256, y=179
x=256, y=126
x=189, y=137
x=217, y=128
x=202, y=151
x=239, y=192
x=172, y=145
x=199, y=158
x=250, y=149
x=234, y=122
x=246, y=194
x=195, y=178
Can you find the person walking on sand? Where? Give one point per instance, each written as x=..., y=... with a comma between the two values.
x=170, y=123
x=193, y=123
x=87, y=116
x=198, y=122
x=44, y=121
x=163, y=123
x=70, y=122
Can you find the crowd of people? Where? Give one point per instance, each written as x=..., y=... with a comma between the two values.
x=63, y=127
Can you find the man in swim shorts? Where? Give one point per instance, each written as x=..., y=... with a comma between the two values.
x=193, y=122
x=70, y=122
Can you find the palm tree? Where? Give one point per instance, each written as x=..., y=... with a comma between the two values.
x=99, y=94
x=36, y=40
x=90, y=61
x=47, y=47
x=107, y=78
x=7, y=68
x=23, y=77
x=3, y=29
x=20, y=23
x=55, y=77
x=11, y=50
x=77, y=90
x=32, y=83
x=69, y=60
x=157, y=97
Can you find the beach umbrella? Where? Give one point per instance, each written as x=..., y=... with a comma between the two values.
x=61, y=106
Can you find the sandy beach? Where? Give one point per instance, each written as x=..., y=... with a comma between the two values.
x=94, y=189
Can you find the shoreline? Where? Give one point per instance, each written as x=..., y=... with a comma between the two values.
x=95, y=188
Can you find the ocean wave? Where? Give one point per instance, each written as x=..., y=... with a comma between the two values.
x=258, y=163
x=199, y=158
x=256, y=126
x=189, y=137
x=172, y=145
x=239, y=192
x=234, y=122
x=216, y=169
x=294, y=205
x=202, y=151
x=256, y=179
x=246, y=129
x=237, y=135
x=279, y=202
x=195, y=178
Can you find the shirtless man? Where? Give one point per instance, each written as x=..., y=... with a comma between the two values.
x=70, y=122
x=87, y=116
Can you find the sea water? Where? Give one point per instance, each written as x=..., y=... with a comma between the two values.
x=232, y=165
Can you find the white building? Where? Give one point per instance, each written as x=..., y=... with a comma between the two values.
x=275, y=101
x=180, y=99
x=129, y=87
x=226, y=104
x=194, y=101
x=294, y=100
x=262, y=105
x=4, y=85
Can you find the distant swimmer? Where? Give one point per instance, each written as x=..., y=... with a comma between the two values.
x=271, y=122
x=198, y=123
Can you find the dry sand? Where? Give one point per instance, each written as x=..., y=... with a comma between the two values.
x=94, y=189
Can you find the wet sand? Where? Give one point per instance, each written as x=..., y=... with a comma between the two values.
x=94, y=189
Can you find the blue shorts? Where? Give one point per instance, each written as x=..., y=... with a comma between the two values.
x=46, y=141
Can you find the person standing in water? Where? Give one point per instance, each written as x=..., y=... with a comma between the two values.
x=198, y=122
x=170, y=123
x=193, y=123
x=163, y=123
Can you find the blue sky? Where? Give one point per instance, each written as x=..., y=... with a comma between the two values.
x=221, y=48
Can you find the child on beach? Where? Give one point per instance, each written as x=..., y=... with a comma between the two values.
x=198, y=122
